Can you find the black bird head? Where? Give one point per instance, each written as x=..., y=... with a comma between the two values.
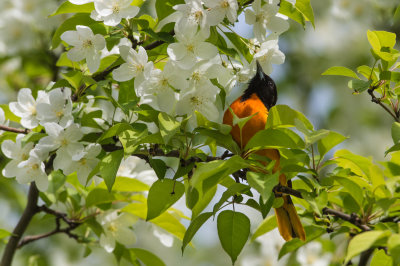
x=263, y=86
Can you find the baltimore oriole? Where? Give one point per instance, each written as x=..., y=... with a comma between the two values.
x=257, y=99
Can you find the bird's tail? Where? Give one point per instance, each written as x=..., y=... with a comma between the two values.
x=289, y=224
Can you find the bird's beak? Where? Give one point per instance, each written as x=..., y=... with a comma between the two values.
x=260, y=71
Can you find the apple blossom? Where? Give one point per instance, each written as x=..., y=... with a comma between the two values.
x=26, y=107
x=219, y=9
x=269, y=54
x=190, y=48
x=17, y=152
x=112, y=11
x=158, y=90
x=57, y=109
x=135, y=167
x=199, y=98
x=63, y=140
x=33, y=170
x=265, y=18
x=82, y=166
x=192, y=15
x=116, y=228
x=86, y=46
x=136, y=66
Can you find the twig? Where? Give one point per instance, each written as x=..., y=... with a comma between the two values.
x=352, y=218
x=287, y=190
x=59, y=216
x=15, y=130
x=30, y=210
x=378, y=101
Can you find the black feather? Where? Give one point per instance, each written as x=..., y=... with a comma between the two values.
x=263, y=86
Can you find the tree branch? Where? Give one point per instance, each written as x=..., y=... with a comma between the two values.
x=378, y=101
x=352, y=218
x=287, y=190
x=15, y=130
x=30, y=210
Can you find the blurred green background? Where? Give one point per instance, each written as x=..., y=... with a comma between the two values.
x=339, y=39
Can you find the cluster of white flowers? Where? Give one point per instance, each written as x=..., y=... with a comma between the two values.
x=53, y=111
x=183, y=84
x=22, y=23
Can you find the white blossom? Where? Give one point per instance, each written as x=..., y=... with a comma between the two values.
x=81, y=2
x=191, y=15
x=219, y=9
x=26, y=107
x=159, y=90
x=63, y=140
x=135, y=167
x=190, y=48
x=16, y=152
x=199, y=97
x=116, y=228
x=269, y=54
x=165, y=238
x=86, y=46
x=112, y=11
x=57, y=109
x=310, y=255
x=265, y=18
x=136, y=66
x=82, y=166
x=33, y=170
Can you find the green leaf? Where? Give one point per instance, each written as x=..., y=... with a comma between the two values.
x=241, y=44
x=194, y=227
x=305, y=8
x=353, y=188
x=162, y=195
x=394, y=248
x=363, y=241
x=284, y=116
x=99, y=196
x=8, y=114
x=275, y=138
x=263, y=183
x=33, y=137
x=329, y=141
x=381, y=259
x=164, y=7
x=168, y=126
x=208, y=175
x=287, y=9
x=267, y=225
x=114, y=131
x=68, y=7
x=203, y=202
x=395, y=147
x=4, y=233
x=109, y=165
x=390, y=75
x=359, y=85
x=131, y=138
x=70, y=24
x=127, y=184
x=396, y=132
x=159, y=167
x=340, y=71
x=230, y=192
x=312, y=232
x=382, y=43
x=233, y=231
x=148, y=258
